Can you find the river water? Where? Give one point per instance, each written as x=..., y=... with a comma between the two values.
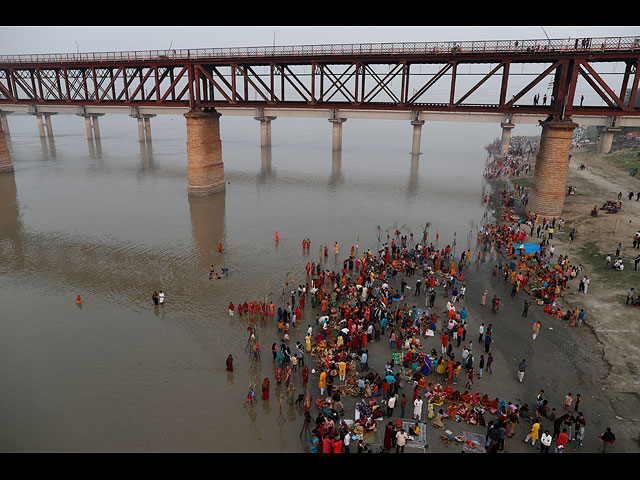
x=114, y=222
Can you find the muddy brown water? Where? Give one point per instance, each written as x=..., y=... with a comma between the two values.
x=113, y=223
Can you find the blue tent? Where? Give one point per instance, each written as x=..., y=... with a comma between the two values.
x=529, y=247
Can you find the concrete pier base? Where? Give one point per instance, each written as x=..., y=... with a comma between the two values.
x=92, y=127
x=506, y=138
x=606, y=139
x=44, y=122
x=552, y=166
x=337, y=132
x=205, y=169
x=417, y=136
x=144, y=127
x=265, y=128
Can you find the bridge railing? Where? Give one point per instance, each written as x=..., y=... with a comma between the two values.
x=598, y=44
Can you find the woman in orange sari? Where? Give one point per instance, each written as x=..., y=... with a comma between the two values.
x=450, y=366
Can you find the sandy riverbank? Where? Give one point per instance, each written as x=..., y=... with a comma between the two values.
x=609, y=339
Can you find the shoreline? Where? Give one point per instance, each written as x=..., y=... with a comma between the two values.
x=610, y=326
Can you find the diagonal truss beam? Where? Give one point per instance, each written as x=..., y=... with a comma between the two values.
x=477, y=85
x=201, y=70
x=299, y=86
x=430, y=83
x=338, y=83
x=615, y=100
x=244, y=72
x=111, y=84
x=382, y=83
x=532, y=84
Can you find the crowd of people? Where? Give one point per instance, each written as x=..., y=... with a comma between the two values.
x=515, y=163
x=369, y=300
x=531, y=263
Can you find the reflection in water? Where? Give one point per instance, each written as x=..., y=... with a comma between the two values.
x=413, y=175
x=48, y=148
x=9, y=210
x=146, y=155
x=95, y=148
x=266, y=172
x=336, y=180
x=208, y=227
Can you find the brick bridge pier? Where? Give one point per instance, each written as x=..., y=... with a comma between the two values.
x=552, y=166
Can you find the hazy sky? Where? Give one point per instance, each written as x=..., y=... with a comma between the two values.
x=66, y=39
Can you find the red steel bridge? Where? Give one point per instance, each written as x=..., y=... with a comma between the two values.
x=429, y=76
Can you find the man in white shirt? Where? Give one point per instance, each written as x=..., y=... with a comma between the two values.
x=161, y=297
x=417, y=408
x=390, y=405
x=345, y=442
x=545, y=442
x=401, y=440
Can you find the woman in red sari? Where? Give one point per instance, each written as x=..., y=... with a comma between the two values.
x=230, y=363
x=266, y=385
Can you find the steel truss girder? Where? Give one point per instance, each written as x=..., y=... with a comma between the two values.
x=357, y=83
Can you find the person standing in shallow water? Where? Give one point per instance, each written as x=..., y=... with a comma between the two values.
x=229, y=363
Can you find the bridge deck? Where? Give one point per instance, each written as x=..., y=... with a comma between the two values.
x=542, y=47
